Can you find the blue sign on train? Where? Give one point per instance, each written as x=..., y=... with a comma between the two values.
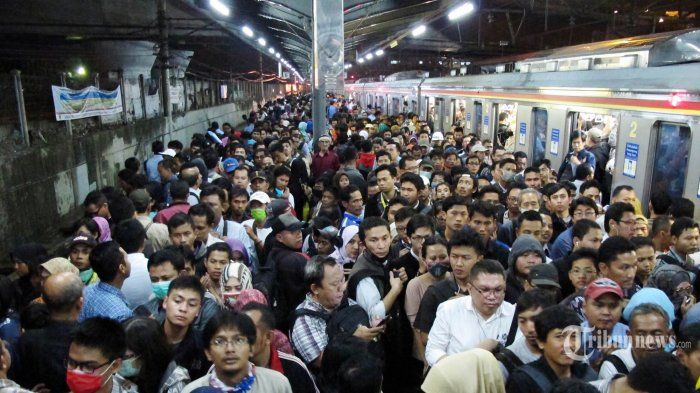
x=554, y=143
x=631, y=157
x=523, y=132
x=486, y=120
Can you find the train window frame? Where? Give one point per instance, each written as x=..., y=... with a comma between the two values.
x=497, y=109
x=478, y=118
x=535, y=133
x=654, y=163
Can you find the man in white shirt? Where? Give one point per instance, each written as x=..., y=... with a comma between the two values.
x=189, y=172
x=131, y=236
x=482, y=319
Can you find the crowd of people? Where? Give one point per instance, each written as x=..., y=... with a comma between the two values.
x=387, y=257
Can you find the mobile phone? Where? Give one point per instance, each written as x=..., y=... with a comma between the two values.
x=383, y=321
x=687, y=299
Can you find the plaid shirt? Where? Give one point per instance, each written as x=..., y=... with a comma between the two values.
x=104, y=300
x=309, y=336
x=9, y=386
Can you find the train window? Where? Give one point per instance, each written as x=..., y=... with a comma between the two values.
x=539, y=126
x=670, y=158
x=504, y=125
x=477, y=117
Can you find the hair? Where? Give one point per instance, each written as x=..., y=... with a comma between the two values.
x=179, y=190
x=178, y=220
x=583, y=171
x=660, y=372
x=34, y=316
x=130, y=235
x=615, y=213
x=534, y=299
x=661, y=223
x=419, y=221
x=145, y=337
x=529, y=215
x=105, y=260
x=486, y=209
x=526, y=191
x=64, y=300
x=641, y=241
x=582, y=227
x=681, y=224
x=190, y=283
x=403, y=159
x=339, y=349
x=175, y=144
x=589, y=184
x=416, y=180
x=189, y=178
x=133, y=164
x=381, y=153
x=199, y=210
x=682, y=207
x=157, y=146
x=431, y=241
x=121, y=208
x=647, y=309
x=221, y=247
x=486, y=266
x=454, y=200
x=490, y=189
x=281, y=171
x=170, y=255
x=103, y=334
x=555, y=317
x=362, y=373
x=238, y=192
x=213, y=190
x=346, y=193
x=583, y=201
x=169, y=164
x=467, y=239
x=612, y=247
x=226, y=319
x=505, y=161
x=314, y=270
x=397, y=200
x=372, y=222
x=553, y=188
x=582, y=253
x=267, y=318
x=385, y=167
x=660, y=202
x=617, y=190
x=404, y=213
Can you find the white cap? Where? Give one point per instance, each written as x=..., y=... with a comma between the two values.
x=260, y=197
x=437, y=136
x=364, y=134
x=169, y=152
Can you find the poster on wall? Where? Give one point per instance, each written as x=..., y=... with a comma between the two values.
x=554, y=143
x=631, y=157
x=523, y=132
x=90, y=101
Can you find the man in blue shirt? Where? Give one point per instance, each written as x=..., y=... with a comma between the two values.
x=105, y=298
x=152, y=163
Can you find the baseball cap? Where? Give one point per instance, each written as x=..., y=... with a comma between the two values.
x=544, y=274
x=427, y=162
x=258, y=175
x=424, y=144
x=169, y=152
x=277, y=207
x=85, y=239
x=260, y=197
x=437, y=136
x=230, y=164
x=141, y=198
x=479, y=148
x=330, y=232
x=600, y=287
x=284, y=222
x=595, y=134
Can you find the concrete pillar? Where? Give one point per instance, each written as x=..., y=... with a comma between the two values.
x=164, y=58
x=21, y=109
x=69, y=124
x=328, y=58
x=121, y=88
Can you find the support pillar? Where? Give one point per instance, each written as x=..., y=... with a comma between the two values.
x=164, y=59
x=21, y=109
x=69, y=124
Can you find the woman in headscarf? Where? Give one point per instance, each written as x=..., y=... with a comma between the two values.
x=675, y=282
x=105, y=232
x=350, y=250
x=448, y=375
x=238, y=252
x=234, y=279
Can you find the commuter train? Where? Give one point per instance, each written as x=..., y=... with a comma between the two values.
x=645, y=89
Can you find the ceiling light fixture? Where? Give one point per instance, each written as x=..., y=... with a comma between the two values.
x=418, y=30
x=360, y=60
x=277, y=55
x=272, y=51
x=379, y=52
x=460, y=11
x=220, y=7
x=247, y=31
x=262, y=41
x=369, y=56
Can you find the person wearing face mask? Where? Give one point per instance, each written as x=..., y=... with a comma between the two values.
x=235, y=278
x=148, y=359
x=503, y=176
x=95, y=355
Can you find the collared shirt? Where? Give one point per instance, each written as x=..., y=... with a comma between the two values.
x=104, y=300
x=459, y=327
x=322, y=163
x=177, y=207
x=137, y=287
x=351, y=219
x=152, y=167
x=309, y=336
x=593, y=342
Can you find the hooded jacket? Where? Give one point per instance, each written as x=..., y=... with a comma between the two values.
x=514, y=283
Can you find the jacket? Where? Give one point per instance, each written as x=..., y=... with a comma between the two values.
x=514, y=280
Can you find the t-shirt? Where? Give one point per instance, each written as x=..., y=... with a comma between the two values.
x=607, y=369
x=137, y=287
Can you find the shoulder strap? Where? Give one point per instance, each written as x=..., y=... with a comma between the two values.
x=194, y=195
x=538, y=377
x=300, y=312
x=618, y=363
x=148, y=226
x=510, y=360
x=513, y=331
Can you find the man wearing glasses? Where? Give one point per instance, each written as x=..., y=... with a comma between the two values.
x=480, y=320
x=581, y=208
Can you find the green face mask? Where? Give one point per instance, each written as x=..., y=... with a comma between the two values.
x=160, y=289
x=85, y=275
x=258, y=214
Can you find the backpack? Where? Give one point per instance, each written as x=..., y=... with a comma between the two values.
x=343, y=319
x=509, y=360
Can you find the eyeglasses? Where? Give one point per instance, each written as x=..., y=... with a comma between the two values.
x=628, y=222
x=419, y=238
x=86, y=367
x=493, y=292
x=223, y=342
x=587, y=213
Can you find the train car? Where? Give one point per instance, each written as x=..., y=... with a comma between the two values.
x=645, y=90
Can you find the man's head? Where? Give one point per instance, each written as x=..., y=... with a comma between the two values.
x=586, y=234
x=532, y=178
x=555, y=336
x=110, y=263
x=529, y=223
x=130, y=235
x=558, y=199
x=386, y=175
x=657, y=373
x=239, y=201
x=482, y=219
x=214, y=197
x=525, y=253
x=287, y=230
x=352, y=201
x=63, y=294
x=530, y=304
x=164, y=266
x=529, y=199
x=264, y=321
x=685, y=236
x=228, y=340
x=617, y=261
x=376, y=235
x=583, y=208
x=646, y=256
x=324, y=278
x=583, y=267
x=79, y=251
x=456, y=211
x=96, y=205
x=591, y=189
x=624, y=194
x=661, y=232
x=181, y=231
x=217, y=257
x=411, y=186
x=97, y=347
x=419, y=228
x=189, y=172
x=688, y=349
x=620, y=220
x=487, y=286
x=183, y=301
x=650, y=330
x=603, y=304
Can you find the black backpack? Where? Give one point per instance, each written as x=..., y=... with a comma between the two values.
x=509, y=360
x=343, y=319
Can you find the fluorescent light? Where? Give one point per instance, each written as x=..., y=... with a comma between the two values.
x=80, y=71
x=394, y=62
x=360, y=60
x=220, y=7
x=247, y=31
x=277, y=55
x=272, y=51
x=369, y=56
x=349, y=65
x=379, y=52
x=420, y=61
x=418, y=31
x=262, y=41
x=460, y=11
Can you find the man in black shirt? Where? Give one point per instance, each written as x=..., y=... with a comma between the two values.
x=558, y=342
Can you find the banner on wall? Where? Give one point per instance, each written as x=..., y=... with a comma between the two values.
x=90, y=101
